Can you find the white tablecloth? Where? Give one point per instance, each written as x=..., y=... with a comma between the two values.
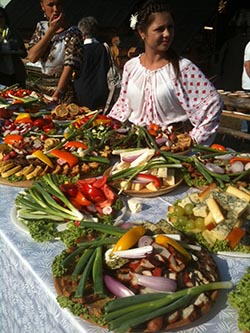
x=27, y=294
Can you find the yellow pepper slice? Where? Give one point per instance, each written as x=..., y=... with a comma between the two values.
x=41, y=156
x=129, y=239
x=23, y=116
x=165, y=241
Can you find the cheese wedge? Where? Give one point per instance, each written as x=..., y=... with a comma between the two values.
x=238, y=193
x=215, y=210
x=209, y=219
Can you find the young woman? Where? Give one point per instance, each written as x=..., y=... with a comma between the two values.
x=160, y=87
x=58, y=47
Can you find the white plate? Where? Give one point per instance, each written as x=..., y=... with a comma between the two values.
x=234, y=254
x=21, y=226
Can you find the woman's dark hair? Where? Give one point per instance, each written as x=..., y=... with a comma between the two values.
x=145, y=9
x=5, y=15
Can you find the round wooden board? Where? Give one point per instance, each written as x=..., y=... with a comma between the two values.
x=145, y=193
x=22, y=184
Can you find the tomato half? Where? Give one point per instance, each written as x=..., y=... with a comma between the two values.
x=218, y=147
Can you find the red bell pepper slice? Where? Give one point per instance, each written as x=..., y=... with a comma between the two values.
x=147, y=178
x=96, y=182
x=80, y=199
x=100, y=182
x=65, y=156
x=75, y=144
x=92, y=193
x=12, y=139
x=242, y=159
x=109, y=194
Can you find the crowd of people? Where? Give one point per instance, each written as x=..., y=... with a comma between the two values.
x=157, y=86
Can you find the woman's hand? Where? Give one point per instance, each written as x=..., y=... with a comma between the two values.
x=55, y=23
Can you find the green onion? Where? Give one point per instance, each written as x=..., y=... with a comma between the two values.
x=97, y=272
x=122, y=317
x=86, y=272
x=79, y=268
x=40, y=199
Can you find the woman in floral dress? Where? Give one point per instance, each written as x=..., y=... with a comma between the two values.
x=162, y=88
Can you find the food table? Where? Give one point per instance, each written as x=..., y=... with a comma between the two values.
x=28, y=296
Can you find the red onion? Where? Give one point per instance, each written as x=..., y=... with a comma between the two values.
x=129, y=159
x=161, y=141
x=237, y=166
x=225, y=157
x=247, y=166
x=214, y=168
x=158, y=283
x=116, y=287
x=145, y=241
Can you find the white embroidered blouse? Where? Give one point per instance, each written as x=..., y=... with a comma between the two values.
x=155, y=96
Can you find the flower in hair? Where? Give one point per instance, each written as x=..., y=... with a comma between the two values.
x=133, y=20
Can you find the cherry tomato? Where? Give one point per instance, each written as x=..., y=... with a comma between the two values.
x=154, y=127
x=38, y=123
x=216, y=146
x=152, y=132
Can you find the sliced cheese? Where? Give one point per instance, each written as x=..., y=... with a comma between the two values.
x=200, y=210
x=231, y=203
x=163, y=172
x=209, y=219
x=170, y=179
x=215, y=210
x=150, y=186
x=209, y=237
x=125, y=185
x=238, y=193
x=137, y=186
x=222, y=229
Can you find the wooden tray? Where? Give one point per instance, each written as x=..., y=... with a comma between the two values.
x=22, y=184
